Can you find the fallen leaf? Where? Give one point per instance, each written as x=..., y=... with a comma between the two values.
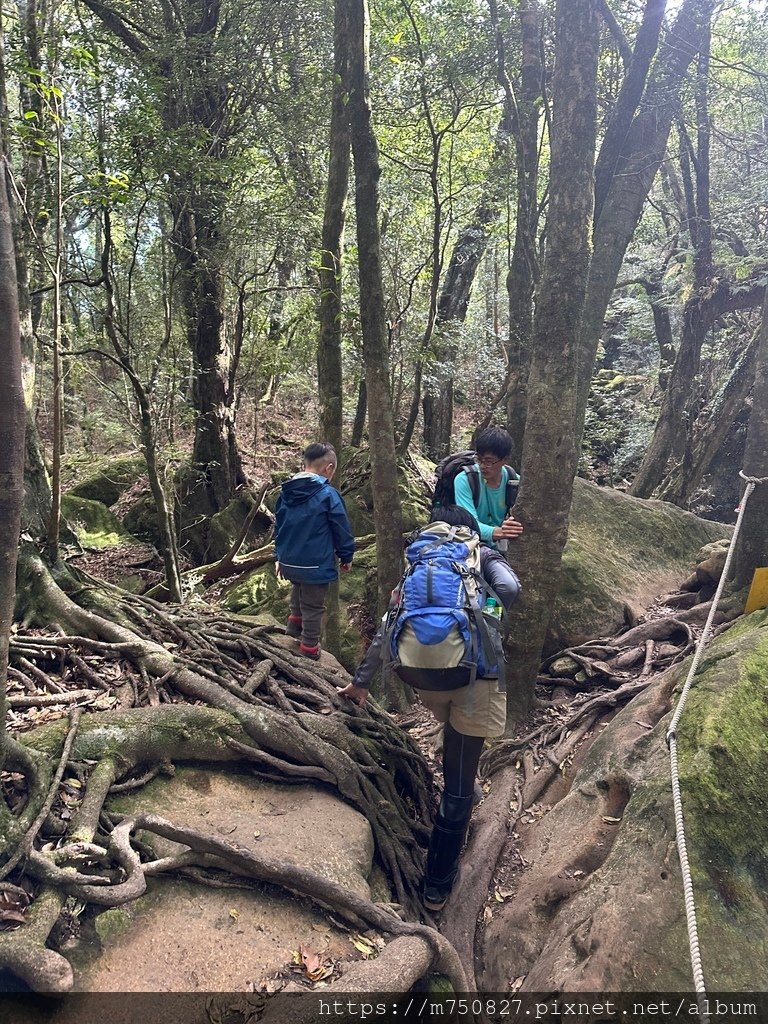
x=578, y=874
x=314, y=968
x=611, y=820
x=257, y=834
x=487, y=914
x=517, y=983
x=365, y=946
x=234, y=914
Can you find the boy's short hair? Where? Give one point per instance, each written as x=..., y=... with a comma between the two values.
x=319, y=450
x=455, y=515
x=495, y=441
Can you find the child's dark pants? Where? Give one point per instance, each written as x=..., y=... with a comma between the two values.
x=308, y=602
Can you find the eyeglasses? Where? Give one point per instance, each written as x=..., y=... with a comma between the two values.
x=489, y=460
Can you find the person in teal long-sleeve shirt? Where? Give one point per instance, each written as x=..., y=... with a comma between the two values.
x=497, y=524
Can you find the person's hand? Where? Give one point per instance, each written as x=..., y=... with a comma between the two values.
x=278, y=571
x=359, y=694
x=509, y=529
x=345, y=566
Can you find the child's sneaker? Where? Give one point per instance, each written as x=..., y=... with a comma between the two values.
x=310, y=652
x=293, y=628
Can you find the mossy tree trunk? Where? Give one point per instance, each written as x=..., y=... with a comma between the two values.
x=12, y=417
x=386, y=499
x=550, y=452
x=711, y=430
x=752, y=550
x=702, y=311
x=523, y=269
x=330, y=385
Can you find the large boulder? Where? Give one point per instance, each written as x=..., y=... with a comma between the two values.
x=95, y=526
x=599, y=906
x=183, y=938
x=109, y=483
x=622, y=552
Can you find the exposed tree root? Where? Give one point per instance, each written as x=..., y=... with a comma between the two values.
x=264, y=705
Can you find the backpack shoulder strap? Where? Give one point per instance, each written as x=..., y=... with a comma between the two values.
x=473, y=476
x=513, y=486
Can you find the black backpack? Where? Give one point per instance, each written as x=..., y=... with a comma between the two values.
x=449, y=468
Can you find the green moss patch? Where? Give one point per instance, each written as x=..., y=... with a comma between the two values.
x=96, y=527
x=621, y=551
x=723, y=745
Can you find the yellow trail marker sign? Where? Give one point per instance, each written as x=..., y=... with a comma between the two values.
x=758, y=592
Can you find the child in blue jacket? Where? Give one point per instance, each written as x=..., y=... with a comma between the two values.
x=311, y=532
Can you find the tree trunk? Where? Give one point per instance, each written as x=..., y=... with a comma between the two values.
x=712, y=429
x=215, y=450
x=194, y=101
x=550, y=451
x=752, y=550
x=329, y=371
x=12, y=418
x=628, y=100
x=361, y=409
x=700, y=314
x=523, y=268
x=329, y=374
x=386, y=498
x=437, y=403
x=642, y=152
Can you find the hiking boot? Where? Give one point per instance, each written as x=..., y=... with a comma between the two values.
x=293, y=628
x=310, y=652
x=435, y=897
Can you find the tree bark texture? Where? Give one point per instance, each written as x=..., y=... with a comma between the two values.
x=329, y=373
x=523, y=268
x=752, y=550
x=642, y=152
x=550, y=452
x=387, y=513
x=12, y=418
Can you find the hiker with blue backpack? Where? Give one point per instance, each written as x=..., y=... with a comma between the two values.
x=482, y=483
x=312, y=535
x=442, y=636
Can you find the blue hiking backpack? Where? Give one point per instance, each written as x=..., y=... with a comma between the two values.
x=438, y=636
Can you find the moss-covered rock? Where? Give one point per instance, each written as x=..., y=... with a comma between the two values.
x=142, y=520
x=109, y=483
x=95, y=526
x=413, y=475
x=600, y=904
x=225, y=526
x=259, y=591
x=723, y=742
x=621, y=553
